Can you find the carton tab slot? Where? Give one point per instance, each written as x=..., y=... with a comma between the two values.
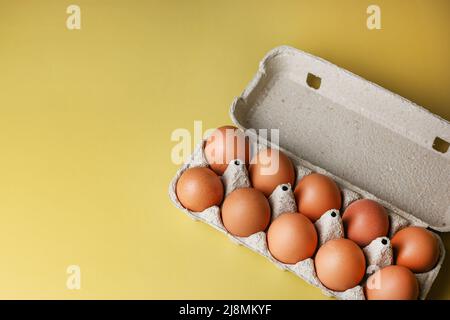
x=313, y=81
x=440, y=145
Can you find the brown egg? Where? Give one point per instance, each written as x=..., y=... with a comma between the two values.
x=245, y=211
x=270, y=168
x=199, y=188
x=292, y=238
x=365, y=220
x=415, y=248
x=315, y=194
x=392, y=283
x=340, y=264
x=224, y=145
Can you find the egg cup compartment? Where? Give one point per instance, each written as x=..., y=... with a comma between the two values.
x=282, y=200
x=329, y=226
x=235, y=176
x=244, y=112
x=378, y=254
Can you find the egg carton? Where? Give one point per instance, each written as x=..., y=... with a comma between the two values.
x=380, y=150
x=378, y=253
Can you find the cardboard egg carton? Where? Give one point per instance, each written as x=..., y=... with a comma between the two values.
x=374, y=144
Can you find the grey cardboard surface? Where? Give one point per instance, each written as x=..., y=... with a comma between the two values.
x=328, y=226
x=356, y=130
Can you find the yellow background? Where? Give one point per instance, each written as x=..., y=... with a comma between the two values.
x=86, y=118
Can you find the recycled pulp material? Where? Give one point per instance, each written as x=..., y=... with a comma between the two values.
x=342, y=126
x=329, y=227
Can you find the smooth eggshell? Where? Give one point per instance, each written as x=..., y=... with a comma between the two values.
x=225, y=144
x=340, y=264
x=415, y=248
x=365, y=220
x=292, y=238
x=270, y=168
x=315, y=194
x=245, y=211
x=392, y=283
x=199, y=188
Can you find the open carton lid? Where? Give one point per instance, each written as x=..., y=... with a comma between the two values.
x=360, y=132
